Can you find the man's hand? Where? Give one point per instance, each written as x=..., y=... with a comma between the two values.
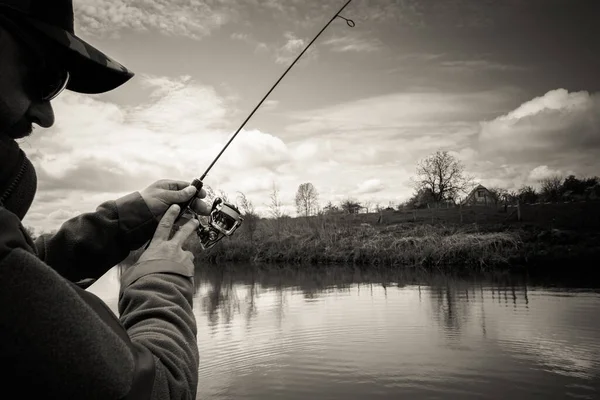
x=162, y=194
x=164, y=248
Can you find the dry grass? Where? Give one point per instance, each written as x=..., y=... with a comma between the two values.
x=330, y=240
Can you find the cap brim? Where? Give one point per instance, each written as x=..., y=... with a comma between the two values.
x=90, y=70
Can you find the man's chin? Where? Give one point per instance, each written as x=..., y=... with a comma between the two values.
x=24, y=131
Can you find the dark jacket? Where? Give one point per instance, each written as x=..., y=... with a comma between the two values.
x=53, y=344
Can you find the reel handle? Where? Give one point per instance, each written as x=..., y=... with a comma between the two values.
x=197, y=183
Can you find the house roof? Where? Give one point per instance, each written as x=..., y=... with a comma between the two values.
x=472, y=193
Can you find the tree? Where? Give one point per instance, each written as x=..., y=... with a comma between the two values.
x=350, y=206
x=307, y=199
x=573, y=185
x=499, y=194
x=420, y=199
x=210, y=194
x=330, y=208
x=250, y=216
x=275, y=203
x=223, y=195
x=31, y=231
x=528, y=195
x=551, y=188
x=443, y=174
x=367, y=204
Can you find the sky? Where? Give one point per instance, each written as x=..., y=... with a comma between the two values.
x=511, y=88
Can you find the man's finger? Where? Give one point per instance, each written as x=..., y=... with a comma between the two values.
x=166, y=223
x=172, y=184
x=185, y=231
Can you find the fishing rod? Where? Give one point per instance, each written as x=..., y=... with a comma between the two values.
x=224, y=217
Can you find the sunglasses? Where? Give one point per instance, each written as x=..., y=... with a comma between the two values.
x=46, y=79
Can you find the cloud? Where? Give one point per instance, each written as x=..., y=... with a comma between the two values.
x=194, y=19
x=256, y=149
x=408, y=114
x=292, y=48
x=471, y=66
x=270, y=105
x=99, y=150
x=370, y=186
x=353, y=44
x=557, y=133
x=247, y=38
x=561, y=123
x=240, y=36
x=543, y=172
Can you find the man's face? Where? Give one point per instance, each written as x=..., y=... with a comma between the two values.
x=18, y=110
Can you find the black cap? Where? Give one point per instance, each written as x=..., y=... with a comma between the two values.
x=90, y=70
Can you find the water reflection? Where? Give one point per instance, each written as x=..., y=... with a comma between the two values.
x=345, y=333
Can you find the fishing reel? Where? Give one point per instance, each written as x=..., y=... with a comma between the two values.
x=223, y=220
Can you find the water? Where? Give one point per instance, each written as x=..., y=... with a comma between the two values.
x=346, y=334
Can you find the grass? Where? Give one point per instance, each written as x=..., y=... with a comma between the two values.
x=345, y=240
x=416, y=245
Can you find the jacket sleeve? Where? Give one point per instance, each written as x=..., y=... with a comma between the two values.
x=48, y=326
x=88, y=245
x=49, y=336
x=155, y=304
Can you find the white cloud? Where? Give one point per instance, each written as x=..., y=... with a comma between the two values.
x=370, y=186
x=97, y=147
x=559, y=124
x=255, y=149
x=472, y=66
x=557, y=133
x=543, y=172
x=353, y=44
x=292, y=48
x=270, y=105
x=413, y=112
x=194, y=19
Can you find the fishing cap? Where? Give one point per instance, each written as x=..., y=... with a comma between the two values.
x=90, y=70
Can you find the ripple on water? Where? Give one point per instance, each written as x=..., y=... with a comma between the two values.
x=425, y=342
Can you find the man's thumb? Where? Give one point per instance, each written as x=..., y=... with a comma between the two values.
x=177, y=196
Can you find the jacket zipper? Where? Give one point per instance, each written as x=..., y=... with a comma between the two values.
x=14, y=183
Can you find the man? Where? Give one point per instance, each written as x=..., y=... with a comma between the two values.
x=57, y=340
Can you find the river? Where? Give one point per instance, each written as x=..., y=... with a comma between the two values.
x=346, y=334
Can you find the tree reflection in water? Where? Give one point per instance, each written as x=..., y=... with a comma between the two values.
x=451, y=296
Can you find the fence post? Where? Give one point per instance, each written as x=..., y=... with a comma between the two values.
x=518, y=210
x=460, y=211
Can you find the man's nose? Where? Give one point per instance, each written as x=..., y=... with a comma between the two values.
x=41, y=113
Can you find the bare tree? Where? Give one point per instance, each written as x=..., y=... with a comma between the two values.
x=350, y=206
x=499, y=194
x=223, y=195
x=275, y=203
x=210, y=194
x=551, y=188
x=307, y=199
x=31, y=232
x=367, y=205
x=443, y=175
x=330, y=208
x=250, y=216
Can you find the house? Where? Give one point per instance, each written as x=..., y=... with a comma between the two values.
x=480, y=196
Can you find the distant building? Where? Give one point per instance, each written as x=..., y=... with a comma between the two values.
x=480, y=196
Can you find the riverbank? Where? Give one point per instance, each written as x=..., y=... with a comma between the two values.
x=464, y=248
x=438, y=247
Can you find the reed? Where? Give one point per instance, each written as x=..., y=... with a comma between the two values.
x=331, y=240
